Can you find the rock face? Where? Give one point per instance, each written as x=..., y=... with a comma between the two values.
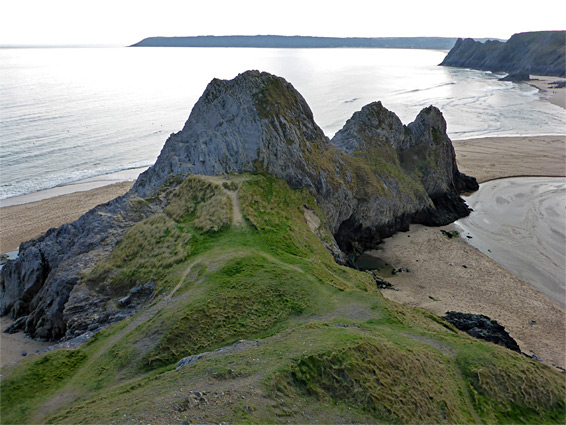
x=536, y=53
x=375, y=177
x=482, y=327
x=36, y=287
x=372, y=179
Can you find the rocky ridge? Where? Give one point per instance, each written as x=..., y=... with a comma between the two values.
x=375, y=177
x=535, y=53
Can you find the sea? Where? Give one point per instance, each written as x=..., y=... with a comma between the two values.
x=70, y=114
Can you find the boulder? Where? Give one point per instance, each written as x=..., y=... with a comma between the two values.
x=482, y=327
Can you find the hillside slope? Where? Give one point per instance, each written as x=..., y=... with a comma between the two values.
x=536, y=53
x=252, y=321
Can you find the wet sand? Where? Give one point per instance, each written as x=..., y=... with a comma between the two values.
x=521, y=224
x=556, y=96
x=498, y=157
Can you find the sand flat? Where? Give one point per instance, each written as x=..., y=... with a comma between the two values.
x=449, y=274
x=491, y=158
x=521, y=224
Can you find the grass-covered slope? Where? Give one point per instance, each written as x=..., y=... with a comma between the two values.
x=277, y=330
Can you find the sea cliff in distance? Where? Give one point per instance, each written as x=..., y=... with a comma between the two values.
x=537, y=53
x=299, y=42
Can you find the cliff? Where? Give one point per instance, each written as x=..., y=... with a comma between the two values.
x=536, y=53
x=375, y=177
x=237, y=309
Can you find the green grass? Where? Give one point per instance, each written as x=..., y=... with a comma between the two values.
x=34, y=381
x=507, y=387
x=248, y=297
x=329, y=347
x=153, y=247
x=381, y=379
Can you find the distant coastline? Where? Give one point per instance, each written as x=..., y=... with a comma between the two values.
x=300, y=42
x=538, y=53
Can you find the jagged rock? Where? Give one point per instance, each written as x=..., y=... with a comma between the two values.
x=517, y=77
x=16, y=326
x=39, y=282
x=482, y=327
x=374, y=178
x=186, y=361
x=537, y=53
x=379, y=281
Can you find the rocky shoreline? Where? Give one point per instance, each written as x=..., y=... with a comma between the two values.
x=538, y=53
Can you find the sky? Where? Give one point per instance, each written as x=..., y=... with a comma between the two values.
x=125, y=22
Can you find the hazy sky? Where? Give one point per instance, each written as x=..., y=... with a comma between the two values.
x=128, y=21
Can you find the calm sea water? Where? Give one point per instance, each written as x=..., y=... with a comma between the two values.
x=67, y=114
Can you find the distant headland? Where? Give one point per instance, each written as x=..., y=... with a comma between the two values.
x=535, y=53
x=300, y=42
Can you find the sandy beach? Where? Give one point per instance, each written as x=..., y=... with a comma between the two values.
x=20, y=223
x=499, y=157
x=446, y=274
x=556, y=96
x=450, y=274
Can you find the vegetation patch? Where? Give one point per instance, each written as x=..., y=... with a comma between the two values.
x=29, y=383
x=394, y=385
x=248, y=296
x=153, y=246
x=507, y=387
x=322, y=344
x=275, y=98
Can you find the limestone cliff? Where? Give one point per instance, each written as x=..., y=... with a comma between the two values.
x=375, y=177
x=536, y=53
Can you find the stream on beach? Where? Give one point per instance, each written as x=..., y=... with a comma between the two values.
x=521, y=223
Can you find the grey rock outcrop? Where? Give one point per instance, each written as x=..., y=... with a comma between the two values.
x=375, y=177
x=535, y=53
x=259, y=122
x=37, y=285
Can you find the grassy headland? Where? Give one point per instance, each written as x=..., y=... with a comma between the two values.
x=279, y=331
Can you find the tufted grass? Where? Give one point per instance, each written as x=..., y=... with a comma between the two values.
x=329, y=348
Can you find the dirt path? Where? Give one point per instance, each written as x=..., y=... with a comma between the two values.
x=68, y=393
x=230, y=186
